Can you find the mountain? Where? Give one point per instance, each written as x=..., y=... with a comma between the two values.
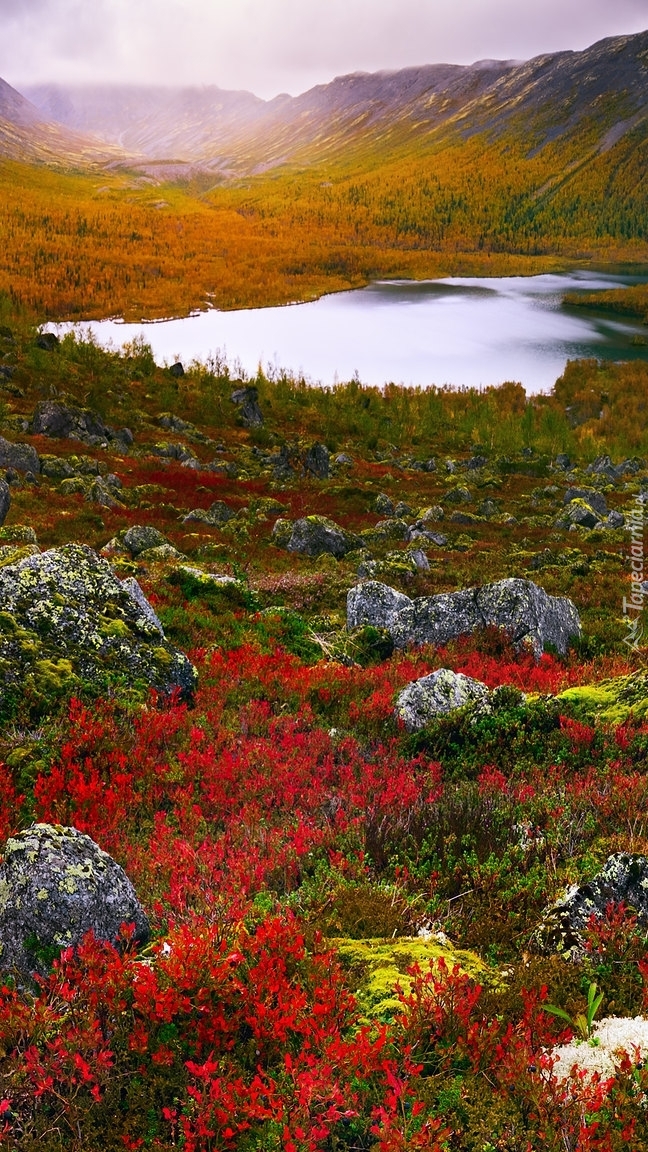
x=26, y=134
x=601, y=93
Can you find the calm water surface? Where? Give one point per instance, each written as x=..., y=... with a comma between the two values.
x=464, y=332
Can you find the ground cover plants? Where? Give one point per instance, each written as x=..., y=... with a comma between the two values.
x=343, y=913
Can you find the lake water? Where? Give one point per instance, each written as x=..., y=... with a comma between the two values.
x=465, y=332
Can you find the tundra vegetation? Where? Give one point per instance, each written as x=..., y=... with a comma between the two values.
x=346, y=947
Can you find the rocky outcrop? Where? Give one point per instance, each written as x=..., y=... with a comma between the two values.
x=56, y=885
x=525, y=611
x=441, y=691
x=623, y=879
x=66, y=618
x=314, y=536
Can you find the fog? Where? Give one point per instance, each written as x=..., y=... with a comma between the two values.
x=270, y=46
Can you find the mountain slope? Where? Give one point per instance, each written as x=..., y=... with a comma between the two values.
x=25, y=134
x=602, y=91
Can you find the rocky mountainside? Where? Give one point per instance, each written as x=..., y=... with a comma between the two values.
x=601, y=92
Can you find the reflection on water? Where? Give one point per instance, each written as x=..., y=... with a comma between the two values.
x=464, y=332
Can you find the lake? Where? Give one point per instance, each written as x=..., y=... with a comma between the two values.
x=465, y=332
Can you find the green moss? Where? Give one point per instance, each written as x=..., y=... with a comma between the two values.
x=611, y=701
x=53, y=676
x=377, y=966
x=114, y=628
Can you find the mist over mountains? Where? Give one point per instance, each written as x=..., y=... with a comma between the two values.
x=604, y=89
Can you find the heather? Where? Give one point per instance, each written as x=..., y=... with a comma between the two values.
x=343, y=913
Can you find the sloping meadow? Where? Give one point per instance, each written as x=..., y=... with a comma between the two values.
x=343, y=913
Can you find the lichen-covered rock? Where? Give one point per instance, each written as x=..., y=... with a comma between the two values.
x=56, y=885
x=141, y=537
x=623, y=879
x=22, y=457
x=441, y=691
x=247, y=400
x=316, y=536
x=66, y=618
x=521, y=608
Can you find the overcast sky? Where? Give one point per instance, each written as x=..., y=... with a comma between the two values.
x=271, y=46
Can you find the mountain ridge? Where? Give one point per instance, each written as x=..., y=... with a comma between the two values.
x=238, y=133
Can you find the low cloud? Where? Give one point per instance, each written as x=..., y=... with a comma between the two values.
x=285, y=45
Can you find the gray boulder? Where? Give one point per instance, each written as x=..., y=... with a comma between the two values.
x=5, y=500
x=247, y=400
x=590, y=496
x=314, y=536
x=48, y=341
x=22, y=457
x=56, y=885
x=317, y=462
x=441, y=691
x=615, y=520
x=141, y=537
x=67, y=619
x=520, y=607
x=384, y=505
x=217, y=514
x=580, y=514
x=623, y=878
x=51, y=418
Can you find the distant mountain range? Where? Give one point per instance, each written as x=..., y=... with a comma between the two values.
x=600, y=93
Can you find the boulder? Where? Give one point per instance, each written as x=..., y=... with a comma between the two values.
x=5, y=500
x=216, y=515
x=177, y=370
x=66, y=618
x=317, y=462
x=22, y=457
x=247, y=400
x=56, y=885
x=441, y=691
x=384, y=505
x=580, y=514
x=590, y=496
x=316, y=535
x=48, y=341
x=623, y=879
x=525, y=611
x=141, y=537
x=57, y=420
x=614, y=520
